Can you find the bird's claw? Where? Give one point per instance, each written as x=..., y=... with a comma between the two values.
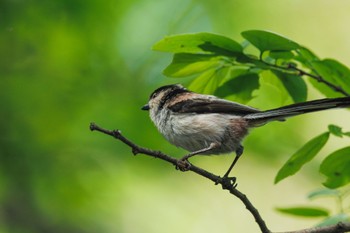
x=227, y=182
x=183, y=165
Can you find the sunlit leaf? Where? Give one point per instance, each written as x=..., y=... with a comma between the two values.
x=240, y=87
x=185, y=64
x=266, y=41
x=335, y=130
x=294, y=84
x=324, y=89
x=302, y=156
x=305, y=211
x=334, y=220
x=201, y=43
x=336, y=167
x=271, y=92
x=323, y=192
x=209, y=80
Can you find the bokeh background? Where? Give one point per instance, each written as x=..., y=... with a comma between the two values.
x=67, y=63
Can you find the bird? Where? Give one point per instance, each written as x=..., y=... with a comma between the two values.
x=208, y=125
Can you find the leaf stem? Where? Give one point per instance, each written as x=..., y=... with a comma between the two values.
x=301, y=72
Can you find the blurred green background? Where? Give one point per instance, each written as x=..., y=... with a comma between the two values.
x=67, y=63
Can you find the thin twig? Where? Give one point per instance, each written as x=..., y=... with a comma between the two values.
x=300, y=72
x=318, y=78
x=225, y=183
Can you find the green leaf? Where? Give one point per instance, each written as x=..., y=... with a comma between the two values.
x=333, y=72
x=271, y=93
x=336, y=167
x=340, y=72
x=268, y=41
x=323, y=193
x=305, y=211
x=302, y=156
x=324, y=89
x=199, y=43
x=186, y=64
x=294, y=84
x=252, y=60
x=285, y=55
x=334, y=220
x=335, y=130
x=240, y=87
x=306, y=56
x=209, y=80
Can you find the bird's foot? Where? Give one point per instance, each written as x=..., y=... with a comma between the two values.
x=227, y=182
x=183, y=165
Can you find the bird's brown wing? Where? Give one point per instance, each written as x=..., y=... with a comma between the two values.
x=211, y=105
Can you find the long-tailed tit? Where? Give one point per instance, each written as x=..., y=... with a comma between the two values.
x=205, y=124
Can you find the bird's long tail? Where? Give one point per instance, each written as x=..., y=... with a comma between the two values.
x=297, y=109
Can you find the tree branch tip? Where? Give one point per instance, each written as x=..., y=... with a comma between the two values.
x=92, y=126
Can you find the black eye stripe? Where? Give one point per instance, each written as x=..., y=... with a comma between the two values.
x=170, y=95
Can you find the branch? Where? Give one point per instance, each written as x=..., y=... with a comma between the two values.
x=301, y=72
x=321, y=80
x=225, y=183
x=340, y=227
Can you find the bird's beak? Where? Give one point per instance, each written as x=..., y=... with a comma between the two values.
x=145, y=107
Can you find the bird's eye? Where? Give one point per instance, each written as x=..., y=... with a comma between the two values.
x=154, y=95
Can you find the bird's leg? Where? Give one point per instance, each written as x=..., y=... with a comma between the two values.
x=232, y=180
x=183, y=163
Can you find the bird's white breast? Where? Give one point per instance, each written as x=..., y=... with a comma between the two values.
x=194, y=132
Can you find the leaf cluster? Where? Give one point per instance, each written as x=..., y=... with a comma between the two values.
x=221, y=66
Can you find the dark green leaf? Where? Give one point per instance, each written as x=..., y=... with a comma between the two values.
x=209, y=80
x=336, y=167
x=199, y=43
x=268, y=41
x=335, y=130
x=305, y=211
x=294, y=84
x=302, y=156
x=334, y=220
x=323, y=193
x=240, y=87
x=185, y=64
x=285, y=55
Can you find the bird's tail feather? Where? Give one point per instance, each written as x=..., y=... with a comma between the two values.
x=297, y=109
